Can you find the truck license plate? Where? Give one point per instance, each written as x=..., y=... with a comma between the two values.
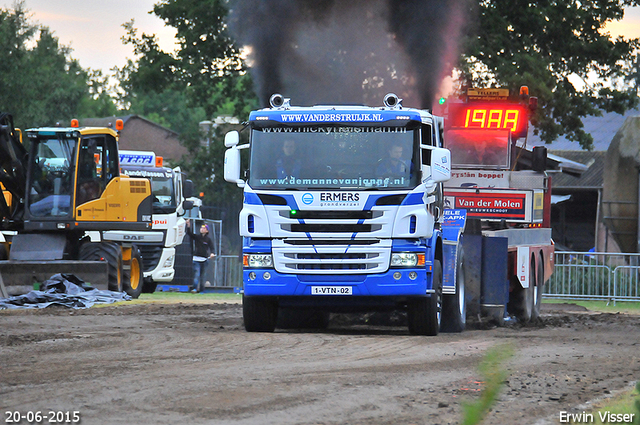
x=331, y=290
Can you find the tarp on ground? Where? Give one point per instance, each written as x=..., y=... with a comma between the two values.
x=65, y=290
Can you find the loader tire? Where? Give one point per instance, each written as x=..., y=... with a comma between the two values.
x=133, y=281
x=109, y=252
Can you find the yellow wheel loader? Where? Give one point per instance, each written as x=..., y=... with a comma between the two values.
x=62, y=198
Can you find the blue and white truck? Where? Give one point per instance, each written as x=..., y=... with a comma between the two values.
x=342, y=211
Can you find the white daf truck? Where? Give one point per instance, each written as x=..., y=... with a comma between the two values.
x=170, y=191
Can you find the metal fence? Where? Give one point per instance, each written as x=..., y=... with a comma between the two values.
x=226, y=272
x=222, y=272
x=595, y=276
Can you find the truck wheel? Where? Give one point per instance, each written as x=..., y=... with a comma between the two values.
x=109, y=252
x=260, y=313
x=425, y=314
x=521, y=299
x=289, y=318
x=4, y=254
x=454, y=307
x=149, y=286
x=537, y=291
x=133, y=275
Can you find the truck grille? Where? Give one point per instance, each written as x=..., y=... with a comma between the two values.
x=150, y=256
x=331, y=228
x=330, y=221
x=339, y=256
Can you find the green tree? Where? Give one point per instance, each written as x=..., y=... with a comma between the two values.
x=203, y=78
x=40, y=83
x=561, y=50
x=209, y=59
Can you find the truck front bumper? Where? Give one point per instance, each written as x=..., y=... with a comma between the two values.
x=164, y=271
x=406, y=282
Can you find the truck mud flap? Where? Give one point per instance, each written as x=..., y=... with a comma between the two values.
x=19, y=277
x=486, y=275
x=495, y=280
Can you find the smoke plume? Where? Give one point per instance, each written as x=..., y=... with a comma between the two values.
x=349, y=52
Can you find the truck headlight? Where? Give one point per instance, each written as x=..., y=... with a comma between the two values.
x=407, y=259
x=257, y=260
x=168, y=262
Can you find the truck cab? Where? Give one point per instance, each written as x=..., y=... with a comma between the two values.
x=341, y=210
x=169, y=206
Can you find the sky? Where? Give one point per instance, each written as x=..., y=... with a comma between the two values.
x=93, y=28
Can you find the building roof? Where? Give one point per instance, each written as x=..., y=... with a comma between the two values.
x=110, y=122
x=591, y=178
x=142, y=134
x=569, y=169
x=602, y=129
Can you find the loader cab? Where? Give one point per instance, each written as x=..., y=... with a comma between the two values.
x=67, y=168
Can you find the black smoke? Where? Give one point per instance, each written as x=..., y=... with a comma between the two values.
x=349, y=51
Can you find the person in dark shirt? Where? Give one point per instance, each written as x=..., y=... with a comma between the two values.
x=394, y=165
x=203, y=250
x=289, y=164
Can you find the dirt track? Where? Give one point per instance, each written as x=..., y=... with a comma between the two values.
x=194, y=364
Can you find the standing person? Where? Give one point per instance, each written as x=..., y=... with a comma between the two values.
x=203, y=250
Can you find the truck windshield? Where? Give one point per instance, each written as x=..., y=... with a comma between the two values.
x=51, y=182
x=327, y=157
x=164, y=200
x=164, y=196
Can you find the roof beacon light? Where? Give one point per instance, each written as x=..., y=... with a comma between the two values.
x=119, y=124
x=524, y=90
x=279, y=101
x=158, y=161
x=75, y=123
x=392, y=101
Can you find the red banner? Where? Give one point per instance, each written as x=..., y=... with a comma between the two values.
x=489, y=205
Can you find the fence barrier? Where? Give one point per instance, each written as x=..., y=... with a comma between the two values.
x=595, y=276
x=227, y=271
x=577, y=276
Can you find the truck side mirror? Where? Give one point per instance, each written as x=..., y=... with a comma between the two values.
x=440, y=164
x=232, y=165
x=187, y=205
x=231, y=139
x=187, y=189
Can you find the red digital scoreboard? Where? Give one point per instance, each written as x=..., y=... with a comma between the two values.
x=490, y=116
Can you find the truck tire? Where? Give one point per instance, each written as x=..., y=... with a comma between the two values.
x=537, y=291
x=133, y=275
x=149, y=286
x=454, y=307
x=4, y=253
x=289, y=318
x=425, y=314
x=109, y=252
x=260, y=314
x=521, y=299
